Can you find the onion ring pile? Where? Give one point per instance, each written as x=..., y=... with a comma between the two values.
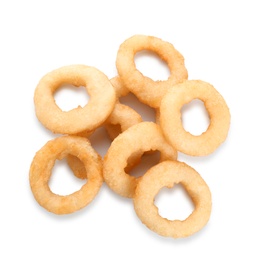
x=131, y=137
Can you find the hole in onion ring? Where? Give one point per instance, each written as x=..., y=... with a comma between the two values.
x=150, y=65
x=174, y=203
x=63, y=181
x=147, y=160
x=68, y=97
x=100, y=141
x=116, y=130
x=147, y=113
x=195, y=118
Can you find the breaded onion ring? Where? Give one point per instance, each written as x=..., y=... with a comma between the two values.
x=94, y=113
x=166, y=174
x=171, y=123
x=136, y=140
x=41, y=169
x=148, y=91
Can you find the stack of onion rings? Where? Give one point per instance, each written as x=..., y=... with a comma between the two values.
x=131, y=137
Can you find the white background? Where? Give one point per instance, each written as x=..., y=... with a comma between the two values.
x=220, y=43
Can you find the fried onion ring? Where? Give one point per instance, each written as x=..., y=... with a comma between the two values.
x=166, y=174
x=171, y=123
x=142, y=137
x=94, y=113
x=148, y=91
x=41, y=169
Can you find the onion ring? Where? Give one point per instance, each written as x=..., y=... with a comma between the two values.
x=142, y=137
x=166, y=174
x=94, y=113
x=148, y=91
x=171, y=124
x=41, y=168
